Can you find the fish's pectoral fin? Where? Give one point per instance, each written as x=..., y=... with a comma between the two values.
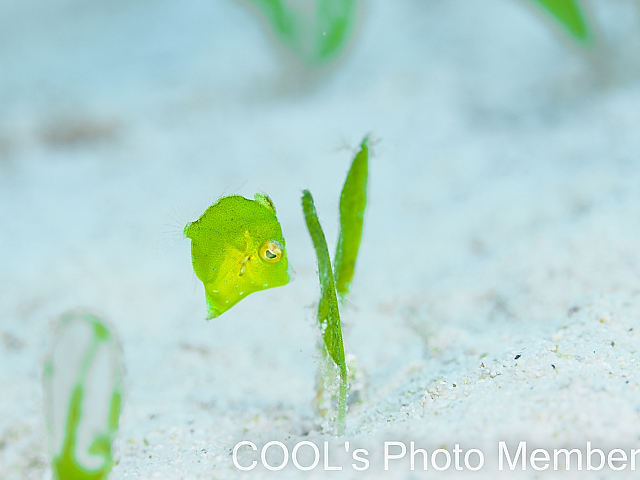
x=243, y=265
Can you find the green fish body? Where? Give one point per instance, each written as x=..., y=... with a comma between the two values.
x=237, y=248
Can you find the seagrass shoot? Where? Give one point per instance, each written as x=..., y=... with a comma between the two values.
x=318, y=32
x=353, y=200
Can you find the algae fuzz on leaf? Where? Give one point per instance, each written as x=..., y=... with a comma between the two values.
x=237, y=248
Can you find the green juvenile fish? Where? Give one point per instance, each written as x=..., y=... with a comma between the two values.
x=237, y=248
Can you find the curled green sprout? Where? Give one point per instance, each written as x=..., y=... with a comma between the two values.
x=83, y=398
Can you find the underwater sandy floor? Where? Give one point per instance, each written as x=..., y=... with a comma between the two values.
x=503, y=221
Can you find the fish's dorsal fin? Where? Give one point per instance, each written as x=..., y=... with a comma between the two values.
x=263, y=199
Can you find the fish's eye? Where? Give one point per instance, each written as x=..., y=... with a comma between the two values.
x=271, y=251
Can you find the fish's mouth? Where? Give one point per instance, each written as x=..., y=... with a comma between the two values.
x=291, y=272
